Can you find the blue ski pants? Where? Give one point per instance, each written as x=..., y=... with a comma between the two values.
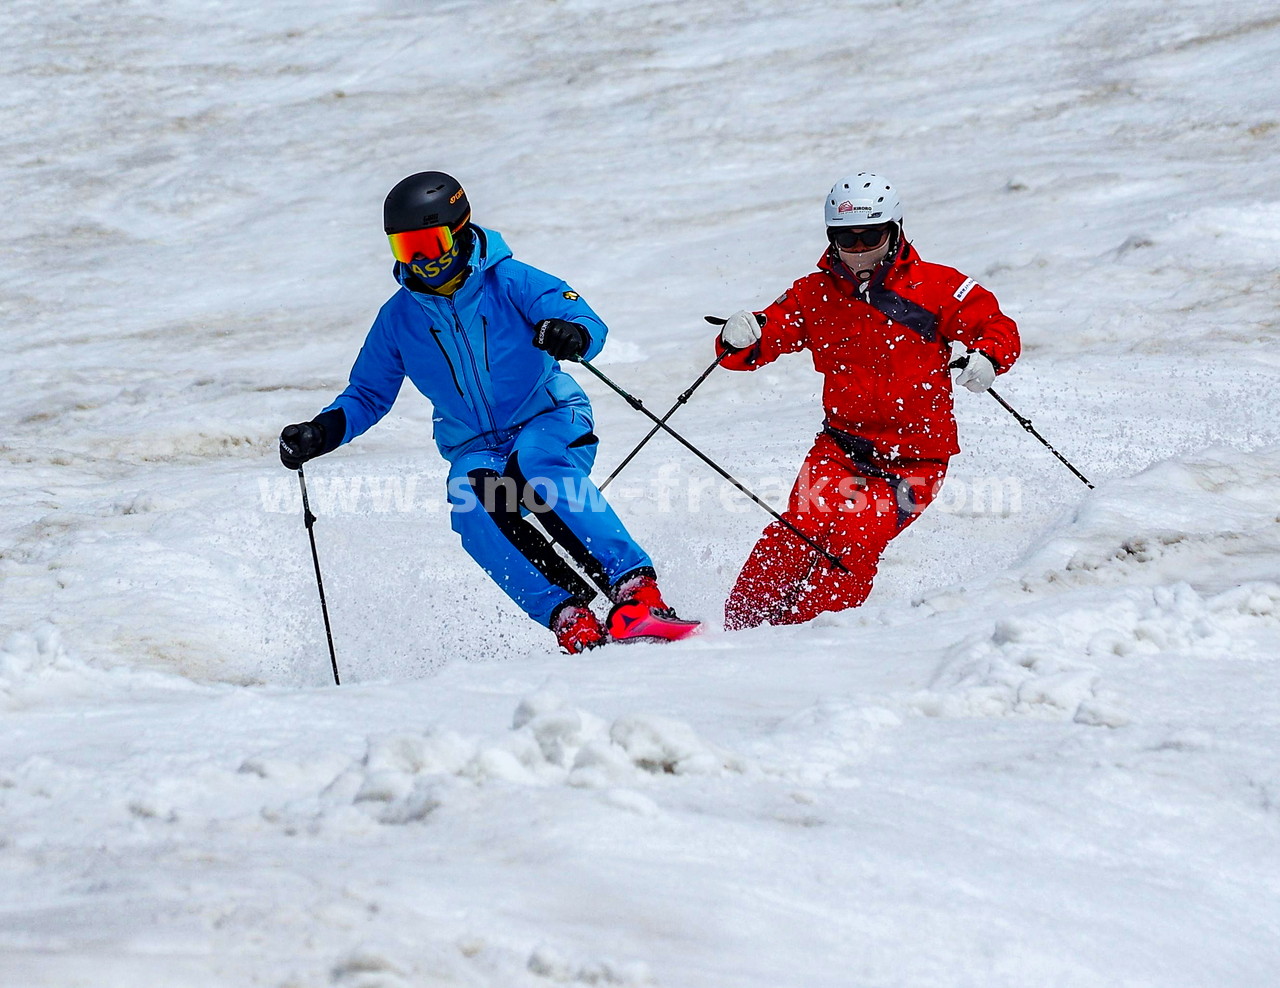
x=541, y=474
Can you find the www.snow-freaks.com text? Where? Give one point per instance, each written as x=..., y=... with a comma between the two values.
x=667, y=490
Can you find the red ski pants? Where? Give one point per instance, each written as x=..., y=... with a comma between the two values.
x=852, y=509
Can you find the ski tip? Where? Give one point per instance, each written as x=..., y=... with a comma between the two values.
x=715, y=320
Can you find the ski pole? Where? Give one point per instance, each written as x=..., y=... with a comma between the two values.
x=309, y=520
x=1026, y=424
x=639, y=406
x=670, y=411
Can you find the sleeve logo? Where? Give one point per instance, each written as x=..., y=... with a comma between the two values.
x=965, y=288
x=572, y=296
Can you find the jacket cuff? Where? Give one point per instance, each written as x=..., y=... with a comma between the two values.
x=333, y=429
x=734, y=359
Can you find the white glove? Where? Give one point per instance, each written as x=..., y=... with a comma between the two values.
x=979, y=373
x=741, y=330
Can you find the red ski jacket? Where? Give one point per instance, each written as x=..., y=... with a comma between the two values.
x=883, y=348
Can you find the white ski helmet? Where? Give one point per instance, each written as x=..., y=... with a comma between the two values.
x=865, y=199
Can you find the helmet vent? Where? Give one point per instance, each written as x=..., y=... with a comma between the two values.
x=861, y=199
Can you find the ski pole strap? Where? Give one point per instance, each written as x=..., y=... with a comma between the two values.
x=637, y=404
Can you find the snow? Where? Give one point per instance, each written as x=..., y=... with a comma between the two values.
x=1044, y=753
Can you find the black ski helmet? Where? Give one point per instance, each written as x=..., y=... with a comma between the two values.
x=426, y=199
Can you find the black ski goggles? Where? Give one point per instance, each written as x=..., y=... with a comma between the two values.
x=859, y=238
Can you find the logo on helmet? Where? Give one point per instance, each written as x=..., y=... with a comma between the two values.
x=845, y=207
x=456, y=196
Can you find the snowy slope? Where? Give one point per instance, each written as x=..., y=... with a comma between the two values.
x=1043, y=754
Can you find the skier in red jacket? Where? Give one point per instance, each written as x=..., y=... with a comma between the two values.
x=879, y=323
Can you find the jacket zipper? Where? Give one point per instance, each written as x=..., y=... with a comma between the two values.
x=475, y=369
x=435, y=335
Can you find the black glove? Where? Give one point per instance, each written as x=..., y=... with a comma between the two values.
x=299, y=443
x=562, y=339
x=307, y=440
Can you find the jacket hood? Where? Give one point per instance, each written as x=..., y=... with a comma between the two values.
x=488, y=249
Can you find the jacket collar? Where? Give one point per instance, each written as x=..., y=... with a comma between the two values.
x=903, y=256
x=884, y=300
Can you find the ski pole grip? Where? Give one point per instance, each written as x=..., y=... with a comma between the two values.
x=959, y=362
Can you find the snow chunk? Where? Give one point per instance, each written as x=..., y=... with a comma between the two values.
x=660, y=744
x=367, y=968
x=1250, y=600
x=36, y=666
x=403, y=778
x=1048, y=666
x=31, y=655
x=547, y=962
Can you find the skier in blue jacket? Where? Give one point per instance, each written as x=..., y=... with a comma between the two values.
x=480, y=334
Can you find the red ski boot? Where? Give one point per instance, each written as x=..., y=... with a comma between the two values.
x=577, y=629
x=641, y=614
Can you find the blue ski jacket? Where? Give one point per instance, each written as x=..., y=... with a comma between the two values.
x=471, y=354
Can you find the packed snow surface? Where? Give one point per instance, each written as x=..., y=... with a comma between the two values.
x=1047, y=751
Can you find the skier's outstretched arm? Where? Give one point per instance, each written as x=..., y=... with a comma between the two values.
x=374, y=384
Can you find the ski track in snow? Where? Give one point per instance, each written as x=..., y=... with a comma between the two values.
x=1043, y=754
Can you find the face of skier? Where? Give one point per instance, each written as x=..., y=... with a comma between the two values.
x=436, y=255
x=861, y=248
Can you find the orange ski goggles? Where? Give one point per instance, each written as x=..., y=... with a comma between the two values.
x=430, y=243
